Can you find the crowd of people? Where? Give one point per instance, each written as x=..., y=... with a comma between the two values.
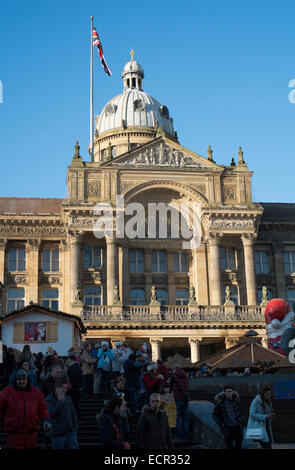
x=48, y=388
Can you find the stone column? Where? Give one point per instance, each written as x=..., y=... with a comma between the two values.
x=32, y=269
x=75, y=258
x=248, y=242
x=195, y=349
x=3, y=243
x=231, y=342
x=124, y=274
x=215, y=281
x=156, y=350
x=201, y=274
x=112, y=277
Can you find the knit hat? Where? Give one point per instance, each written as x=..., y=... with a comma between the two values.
x=21, y=374
x=151, y=367
x=97, y=346
x=118, y=343
x=104, y=343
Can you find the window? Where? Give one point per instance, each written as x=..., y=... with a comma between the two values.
x=227, y=258
x=15, y=299
x=181, y=296
x=180, y=262
x=162, y=296
x=259, y=295
x=92, y=257
x=137, y=297
x=233, y=293
x=136, y=261
x=159, y=264
x=291, y=298
x=289, y=262
x=50, y=298
x=17, y=259
x=92, y=295
x=262, y=264
x=50, y=260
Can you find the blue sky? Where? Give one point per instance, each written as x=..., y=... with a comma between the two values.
x=222, y=67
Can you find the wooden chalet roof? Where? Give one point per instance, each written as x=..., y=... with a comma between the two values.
x=240, y=356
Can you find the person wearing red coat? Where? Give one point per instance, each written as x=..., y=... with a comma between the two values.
x=21, y=407
x=163, y=370
x=152, y=382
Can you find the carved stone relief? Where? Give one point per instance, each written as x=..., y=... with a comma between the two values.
x=161, y=155
x=229, y=191
x=93, y=189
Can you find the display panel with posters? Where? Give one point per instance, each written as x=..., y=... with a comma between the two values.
x=35, y=332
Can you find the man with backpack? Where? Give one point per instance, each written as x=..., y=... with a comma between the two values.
x=105, y=357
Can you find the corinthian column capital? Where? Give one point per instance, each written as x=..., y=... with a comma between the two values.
x=248, y=238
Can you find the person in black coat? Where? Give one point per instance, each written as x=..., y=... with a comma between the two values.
x=132, y=370
x=63, y=417
x=109, y=424
x=229, y=415
x=75, y=375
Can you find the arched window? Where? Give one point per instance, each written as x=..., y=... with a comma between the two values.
x=162, y=296
x=92, y=295
x=181, y=296
x=137, y=297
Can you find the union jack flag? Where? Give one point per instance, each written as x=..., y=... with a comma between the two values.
x=96, y=42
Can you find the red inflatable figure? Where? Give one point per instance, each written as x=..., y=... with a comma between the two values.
x=278, y=317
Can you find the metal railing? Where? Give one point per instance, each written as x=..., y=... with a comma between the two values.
x=170, y=313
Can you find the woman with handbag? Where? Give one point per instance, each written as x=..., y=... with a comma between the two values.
x=260, y=416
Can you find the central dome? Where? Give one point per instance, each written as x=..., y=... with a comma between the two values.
x=133, y=107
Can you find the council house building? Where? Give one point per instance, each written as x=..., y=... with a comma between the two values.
x=195, y=299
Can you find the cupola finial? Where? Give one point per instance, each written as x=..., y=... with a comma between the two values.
x=132, y=55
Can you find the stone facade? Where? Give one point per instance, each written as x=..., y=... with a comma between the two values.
x=52, y=254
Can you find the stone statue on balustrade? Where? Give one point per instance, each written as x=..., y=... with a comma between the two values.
x=228, y=300
x=117, y=300
x=77, y=296
x=154, y=302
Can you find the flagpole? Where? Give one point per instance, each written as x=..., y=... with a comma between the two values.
x=91, y=91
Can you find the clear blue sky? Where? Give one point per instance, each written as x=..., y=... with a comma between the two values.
x=222, y=67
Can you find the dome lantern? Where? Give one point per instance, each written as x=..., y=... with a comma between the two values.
x=133, y=74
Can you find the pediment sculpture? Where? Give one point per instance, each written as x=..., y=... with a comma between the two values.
x=162, y=155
